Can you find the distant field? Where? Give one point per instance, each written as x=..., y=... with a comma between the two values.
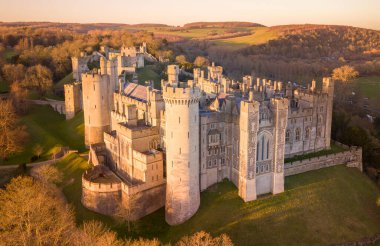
x=192, y=33
x=260, y=35
x=369, y=87
x=327, y=206
x=50, y=130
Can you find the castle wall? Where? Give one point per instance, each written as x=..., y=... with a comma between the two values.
x=144, y=202
x=351, y=158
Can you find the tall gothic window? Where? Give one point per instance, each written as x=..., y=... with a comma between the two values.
x=262, y=151
x=287, y=136
x=298, y=134
x=307, y=133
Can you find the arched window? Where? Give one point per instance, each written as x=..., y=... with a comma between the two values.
x=262, y=148
x=307, y=133
x=257, y=151
x=298, y=134
x=262, y=151
x=287, y=136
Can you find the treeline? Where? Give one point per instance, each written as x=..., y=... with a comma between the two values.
x=305, y=53
x=53, y=48
x=221, y=24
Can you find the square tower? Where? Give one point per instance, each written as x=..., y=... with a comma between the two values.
x=73, y=102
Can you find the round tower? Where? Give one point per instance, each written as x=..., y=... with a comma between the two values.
x=96, y=106
x=182, y=152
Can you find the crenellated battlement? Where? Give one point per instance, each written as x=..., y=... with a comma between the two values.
x=179, y=95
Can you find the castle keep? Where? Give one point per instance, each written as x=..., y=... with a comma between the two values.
x=152, y=148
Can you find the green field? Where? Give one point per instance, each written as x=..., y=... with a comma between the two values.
x=260, y=35
x=50, y=130
x=331, y=205
x=66, y=80
x=147, y=73
x=369, y=87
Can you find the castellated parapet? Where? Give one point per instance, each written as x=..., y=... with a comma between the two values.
x=73, y=99
x=96, y=106
x=182, y=153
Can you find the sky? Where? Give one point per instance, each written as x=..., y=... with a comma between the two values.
x=360, y=13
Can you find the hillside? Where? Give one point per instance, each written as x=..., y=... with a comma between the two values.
x=327, y=206
x=221, y=24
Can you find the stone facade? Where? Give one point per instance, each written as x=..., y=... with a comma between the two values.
x=350, y=158
x=73, y=99
x=168, y=145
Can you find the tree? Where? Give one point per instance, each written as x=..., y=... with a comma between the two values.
x=38, y=150
x=345, y=73
x=39, y=77
x=201, y=61
x=18, y=96
x=126, y=210
x=47, y=174
x=96, y=234
x=205, y=239
x=12, y=135
x=13, y=72
x=32, y=214
x=181, y=59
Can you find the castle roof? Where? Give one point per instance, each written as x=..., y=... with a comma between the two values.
x=135, y=91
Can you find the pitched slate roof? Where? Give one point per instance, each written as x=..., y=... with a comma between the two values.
x=135, y=91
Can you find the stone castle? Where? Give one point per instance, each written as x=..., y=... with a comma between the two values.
x=153, y=148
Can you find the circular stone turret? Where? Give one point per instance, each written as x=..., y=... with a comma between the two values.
x=101, y=190
x=182, y=153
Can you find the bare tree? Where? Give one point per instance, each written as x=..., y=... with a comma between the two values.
x=47, y=174
x=126, y=210
x=32, y=214
x=38, y=150
x=201, y=61
x=205, y=239
x=40, y=78
x=12, y=135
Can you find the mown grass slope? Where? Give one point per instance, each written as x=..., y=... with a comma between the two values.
x=322, y=207
x=50, y=130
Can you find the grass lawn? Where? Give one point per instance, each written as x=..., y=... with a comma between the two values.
x=369, y=86
x=66, y=80
x=147, y=73
x=334, y=149
x=50, y=130
x=321, y=207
